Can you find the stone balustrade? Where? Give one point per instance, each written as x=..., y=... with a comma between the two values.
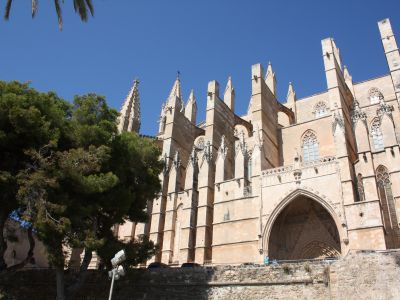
x=305, y=170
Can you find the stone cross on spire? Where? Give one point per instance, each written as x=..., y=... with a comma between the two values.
x=129, y=119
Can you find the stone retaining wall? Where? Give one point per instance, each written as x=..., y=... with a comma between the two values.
x=360, y=275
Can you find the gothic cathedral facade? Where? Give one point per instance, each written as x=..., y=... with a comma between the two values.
x=309, y=178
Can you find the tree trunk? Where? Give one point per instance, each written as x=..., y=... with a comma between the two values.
x=60, y=283
x=3, y=243
x=81, y=278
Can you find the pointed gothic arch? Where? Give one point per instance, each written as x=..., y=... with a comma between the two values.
x=388, y=208
x=321, y=212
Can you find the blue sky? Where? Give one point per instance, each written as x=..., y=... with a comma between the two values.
x=205, y=40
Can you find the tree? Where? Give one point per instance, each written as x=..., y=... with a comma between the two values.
x=77, y=194
x=81, y=7
x=29, y=121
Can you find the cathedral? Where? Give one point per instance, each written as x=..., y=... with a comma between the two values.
x=308, y=178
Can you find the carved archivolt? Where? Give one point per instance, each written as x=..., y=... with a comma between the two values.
x=333, y=210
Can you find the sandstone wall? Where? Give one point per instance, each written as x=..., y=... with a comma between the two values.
x=360, y=275
x=366, y=275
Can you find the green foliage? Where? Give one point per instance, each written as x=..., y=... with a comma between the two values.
x=95, y=179
x=81, y=7
x=30, y=122
x=72, y=175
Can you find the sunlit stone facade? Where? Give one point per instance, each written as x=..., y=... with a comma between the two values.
x=307, y=178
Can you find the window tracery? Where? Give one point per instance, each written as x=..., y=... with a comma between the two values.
x=310, y=146
x=388, y=208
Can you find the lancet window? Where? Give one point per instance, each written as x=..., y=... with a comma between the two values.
x=310, y=146
x=388, y=207
x=377, y=136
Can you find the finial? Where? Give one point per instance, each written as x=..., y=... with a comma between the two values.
x=178, y=75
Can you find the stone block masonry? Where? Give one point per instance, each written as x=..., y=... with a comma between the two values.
x=359, y=275
x=366, y=275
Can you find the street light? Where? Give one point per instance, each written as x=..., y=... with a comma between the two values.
x=118, y=271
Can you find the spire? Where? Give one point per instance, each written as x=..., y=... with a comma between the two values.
x=349, y=80
x=129, y=119
x=229, y=95
x=291, y=100
x=191, y=108
x=175, y=96
x=270, y=79
x=291, y=95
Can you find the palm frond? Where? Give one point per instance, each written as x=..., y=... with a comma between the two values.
x=90, y=6
x=81, y=9
x=34, y=7
x=8, y=9
x=59, y=13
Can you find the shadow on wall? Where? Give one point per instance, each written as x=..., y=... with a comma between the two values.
x=359, y=275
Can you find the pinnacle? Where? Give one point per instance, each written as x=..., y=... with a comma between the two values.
x=176, y=89
x=192, y=97
x=129, y=119
x=346, y=72
x=270, y=71
x=291, y=95
x=229, y=85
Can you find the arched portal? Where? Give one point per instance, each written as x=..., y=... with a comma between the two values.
x=304, y=229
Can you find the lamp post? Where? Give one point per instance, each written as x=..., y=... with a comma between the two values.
x=118, y=271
